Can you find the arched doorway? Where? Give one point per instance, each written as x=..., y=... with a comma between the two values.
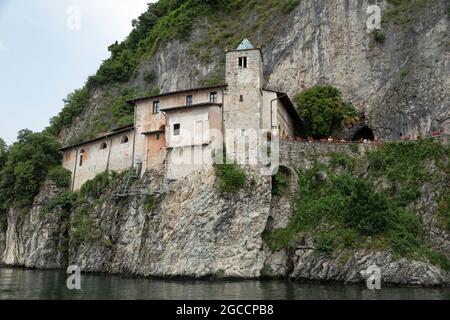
x=364, y=133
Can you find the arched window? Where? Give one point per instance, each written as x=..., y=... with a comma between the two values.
x=81, y=157
x=103, y=146
x=124, y=139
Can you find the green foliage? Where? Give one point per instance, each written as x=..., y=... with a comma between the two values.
x=150, y=77
x=379, y=36
x=405, y=12
x=60, y=176
x=354, y=147
x=289, y=5
x=403, y=161
x=63, y=204
x=74, y=105
x=26, y=167
x=347, y=211
x=436, y=258
x=230, y=177
x=151, y=202
x=82, y=226
x=281, y=182
x=340, y=160
x=96, y=187
x=325, y=243
x=444, y=212
x=3, y=153
x=323, y=110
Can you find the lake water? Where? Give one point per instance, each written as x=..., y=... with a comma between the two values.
x=31, y=284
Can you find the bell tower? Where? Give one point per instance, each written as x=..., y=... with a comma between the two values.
x=243, y=98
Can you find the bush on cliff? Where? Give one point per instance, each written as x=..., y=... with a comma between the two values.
x=63, y=203
x=60, y=177
x=323, y=110
x=230, y=178
x=347, y=209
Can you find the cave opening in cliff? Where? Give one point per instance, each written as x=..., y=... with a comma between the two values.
x=364, y=134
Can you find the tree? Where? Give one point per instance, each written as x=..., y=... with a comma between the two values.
x=323, y=110
x=26, y=167
x=3, y=153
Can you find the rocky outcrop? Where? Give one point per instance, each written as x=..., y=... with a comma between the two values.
x=35, y=240
x=195, y=231
x=309, y=265
x=402, y=84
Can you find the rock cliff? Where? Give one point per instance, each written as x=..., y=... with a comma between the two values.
x=401, y=84
x=193, y=230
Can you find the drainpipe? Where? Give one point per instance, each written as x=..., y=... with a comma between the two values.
x=75, y=170
x=134, y=137
x=109, y=154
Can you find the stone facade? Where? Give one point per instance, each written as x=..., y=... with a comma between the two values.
x=113, y=151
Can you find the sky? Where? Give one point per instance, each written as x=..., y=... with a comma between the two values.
x=48, y=48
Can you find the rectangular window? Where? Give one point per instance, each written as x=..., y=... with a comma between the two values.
x=158, y=136
x=213, y=97
x=176, y=129
x=189, y=100
x=156, y=107
x=241, y=98
x=243, y=62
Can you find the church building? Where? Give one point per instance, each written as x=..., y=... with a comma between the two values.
x=169, y=126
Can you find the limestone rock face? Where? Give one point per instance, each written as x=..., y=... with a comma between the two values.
x=195, y=232
x=34, y=240
x=312, y=266
x=401, y=84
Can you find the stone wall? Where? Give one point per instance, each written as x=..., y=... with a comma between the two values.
x=295, y=155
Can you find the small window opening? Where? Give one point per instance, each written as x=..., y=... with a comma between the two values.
x=158, y=136
x=241, y=98
x=156, y=107
x=189, y=100
x=176, y=129
x=103, y=146
x=213, y=97
x=81, y=158
x=124, y=140
x=243, y=62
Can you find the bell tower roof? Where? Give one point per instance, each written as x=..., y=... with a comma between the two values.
x=245, y=45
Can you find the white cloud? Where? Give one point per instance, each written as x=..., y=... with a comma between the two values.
x=2, y=46
x=113, y=16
